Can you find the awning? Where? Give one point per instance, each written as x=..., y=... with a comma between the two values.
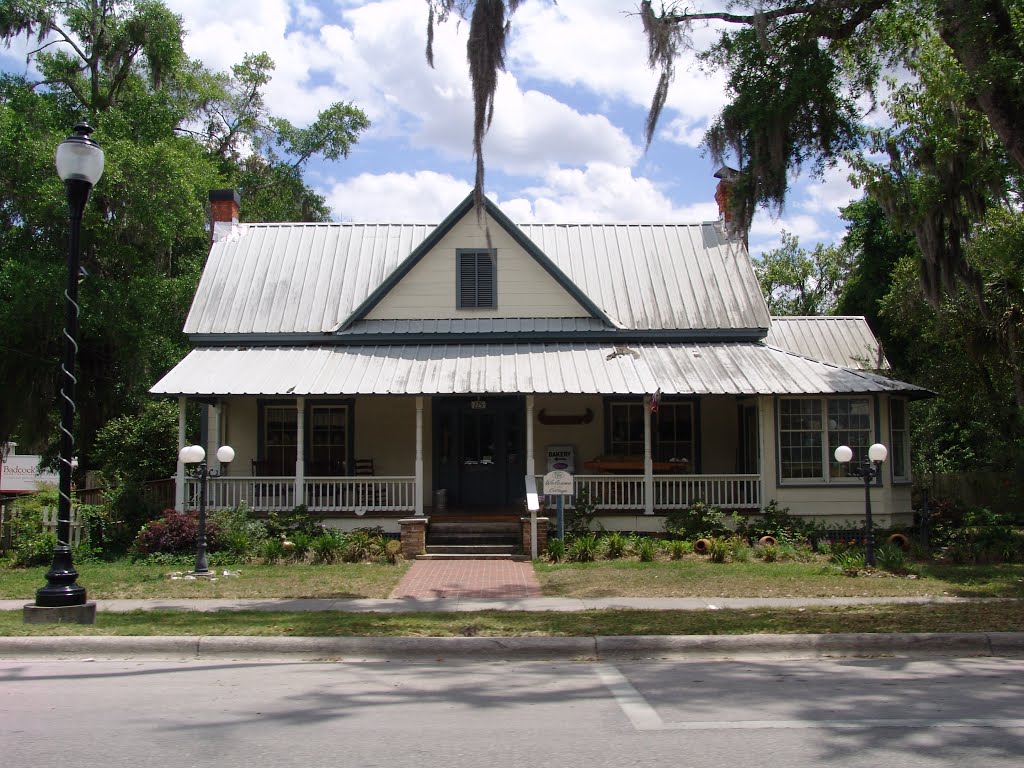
x=675, y=369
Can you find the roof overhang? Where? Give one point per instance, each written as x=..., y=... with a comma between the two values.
x=567, y=368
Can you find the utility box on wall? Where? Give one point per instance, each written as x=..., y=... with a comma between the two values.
x=561, y=457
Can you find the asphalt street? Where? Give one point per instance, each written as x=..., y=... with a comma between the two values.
x=910, y=712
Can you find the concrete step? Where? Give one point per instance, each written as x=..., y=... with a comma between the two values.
x=511, y=529
x=472, y=538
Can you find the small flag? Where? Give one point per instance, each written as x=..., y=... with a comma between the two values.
x=655, y=398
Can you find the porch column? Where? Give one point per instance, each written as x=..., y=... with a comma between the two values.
x=529, y=435
x=648, y=461
x=179, y=476
x=212, y=437
x=418, y=486
x=300, y=451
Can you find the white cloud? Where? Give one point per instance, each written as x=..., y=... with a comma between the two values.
x=829, y=194
x=421, y=197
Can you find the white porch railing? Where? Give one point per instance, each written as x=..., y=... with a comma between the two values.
x=621, y=492
x=322, y=494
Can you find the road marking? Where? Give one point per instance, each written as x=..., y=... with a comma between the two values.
x=645, y=718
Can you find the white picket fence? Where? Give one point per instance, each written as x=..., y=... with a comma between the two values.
x=50, y=516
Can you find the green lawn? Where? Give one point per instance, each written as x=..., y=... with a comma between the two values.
x=974, y=617
x=701, y=578
x=124, y=580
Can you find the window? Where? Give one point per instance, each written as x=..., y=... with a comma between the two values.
x=280, y=440
x=671, y=430
x=328, y=430
x=476, y=279
x=899, y=440
x=810, y=429
x=328, y=446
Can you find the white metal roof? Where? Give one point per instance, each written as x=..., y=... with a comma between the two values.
x=842, y=340
x=683, y=369
x=310, y=278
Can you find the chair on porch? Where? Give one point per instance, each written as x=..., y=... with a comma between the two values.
x=370, y=493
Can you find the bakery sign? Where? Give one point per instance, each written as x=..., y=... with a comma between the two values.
x=20, y=473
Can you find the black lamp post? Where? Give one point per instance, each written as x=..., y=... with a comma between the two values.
x=79, y=164
x=868, y=471
x=194, y=454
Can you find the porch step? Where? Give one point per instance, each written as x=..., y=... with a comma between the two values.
x=470, y=549
x=473, y=534
x=481, y=556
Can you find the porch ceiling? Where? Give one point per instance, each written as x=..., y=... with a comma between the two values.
x=675, y=369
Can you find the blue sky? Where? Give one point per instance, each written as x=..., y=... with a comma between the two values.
x=567, y=140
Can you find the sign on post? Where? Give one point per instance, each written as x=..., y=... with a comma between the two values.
x=559, y=483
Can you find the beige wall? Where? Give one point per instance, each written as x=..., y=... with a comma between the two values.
x=835, y=504
x=525, y=289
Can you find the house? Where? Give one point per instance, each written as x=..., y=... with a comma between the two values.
x=373, y=372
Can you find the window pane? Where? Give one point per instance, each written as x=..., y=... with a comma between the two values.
x=849, y=423
x=627, y=429
x=328, y=447
x=899, y=453
x=673, y=432
x=800, y=438
x=280, y=439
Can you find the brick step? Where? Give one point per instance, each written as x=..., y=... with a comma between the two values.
x=473, y=538
x=431, y=556
x=470, y=549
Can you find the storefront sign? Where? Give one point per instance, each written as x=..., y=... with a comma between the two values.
x=562, y=457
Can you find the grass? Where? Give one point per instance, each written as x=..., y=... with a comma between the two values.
x=998, y=616
x=697, y=577
x=127, y=581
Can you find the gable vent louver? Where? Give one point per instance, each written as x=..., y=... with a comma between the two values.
x=477, y=280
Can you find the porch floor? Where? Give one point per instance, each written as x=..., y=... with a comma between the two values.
x=468, y=578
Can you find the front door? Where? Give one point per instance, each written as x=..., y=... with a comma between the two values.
x=480, y=450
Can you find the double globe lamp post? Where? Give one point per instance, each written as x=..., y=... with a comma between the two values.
x=194, y=454
x=868, y=471
x=79, y=163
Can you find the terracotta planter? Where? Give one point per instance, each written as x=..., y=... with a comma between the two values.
x=701, y=546
x=767, y=541
x=900, y=541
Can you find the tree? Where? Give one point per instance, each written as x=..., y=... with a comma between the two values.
x=797, y=282
x=121, y=64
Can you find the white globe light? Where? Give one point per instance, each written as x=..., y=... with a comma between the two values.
x=225, y=454
x=191, y=454
x=877, y=452
x=843, y=454
x=79, y=158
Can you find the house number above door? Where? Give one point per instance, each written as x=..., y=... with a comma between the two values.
x=478, y=405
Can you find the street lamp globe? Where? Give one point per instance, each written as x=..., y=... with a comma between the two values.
x=191, y=454
x=79, y=158
x=843, y=454
x=877, y=453
x=225, y=454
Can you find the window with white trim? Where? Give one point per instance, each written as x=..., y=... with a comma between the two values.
x=476, y=279
x=809, y=431
x=671, y=430
x=899, y=440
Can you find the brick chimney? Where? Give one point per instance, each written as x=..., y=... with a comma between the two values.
x=723, y=192
x=224, y=207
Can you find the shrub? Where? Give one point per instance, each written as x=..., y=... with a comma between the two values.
x=739, y=550
x=581, y=519
x=175, y=533
x=697, y=521
x=677, y=548
x=30, y=545
x=892, y=558
x=556, y=550
x=646, y=548
x=287, y=524
x=616, y=544
x=241, y=534
x=850, y=561
x=327, y=547
x=768, y=552
x=360, y=545
x=583, y=549
x=271, y=551
x=718, y=550
x=777, y=522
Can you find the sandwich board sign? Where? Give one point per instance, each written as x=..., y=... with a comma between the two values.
x=559, y=483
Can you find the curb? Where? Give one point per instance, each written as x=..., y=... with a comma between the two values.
x=514, y=648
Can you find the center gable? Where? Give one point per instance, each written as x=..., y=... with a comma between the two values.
x=468, y=275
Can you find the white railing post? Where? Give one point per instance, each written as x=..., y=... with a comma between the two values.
x=648, y=460
x=300, y=451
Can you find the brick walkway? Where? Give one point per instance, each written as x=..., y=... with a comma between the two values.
x=468, y=578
